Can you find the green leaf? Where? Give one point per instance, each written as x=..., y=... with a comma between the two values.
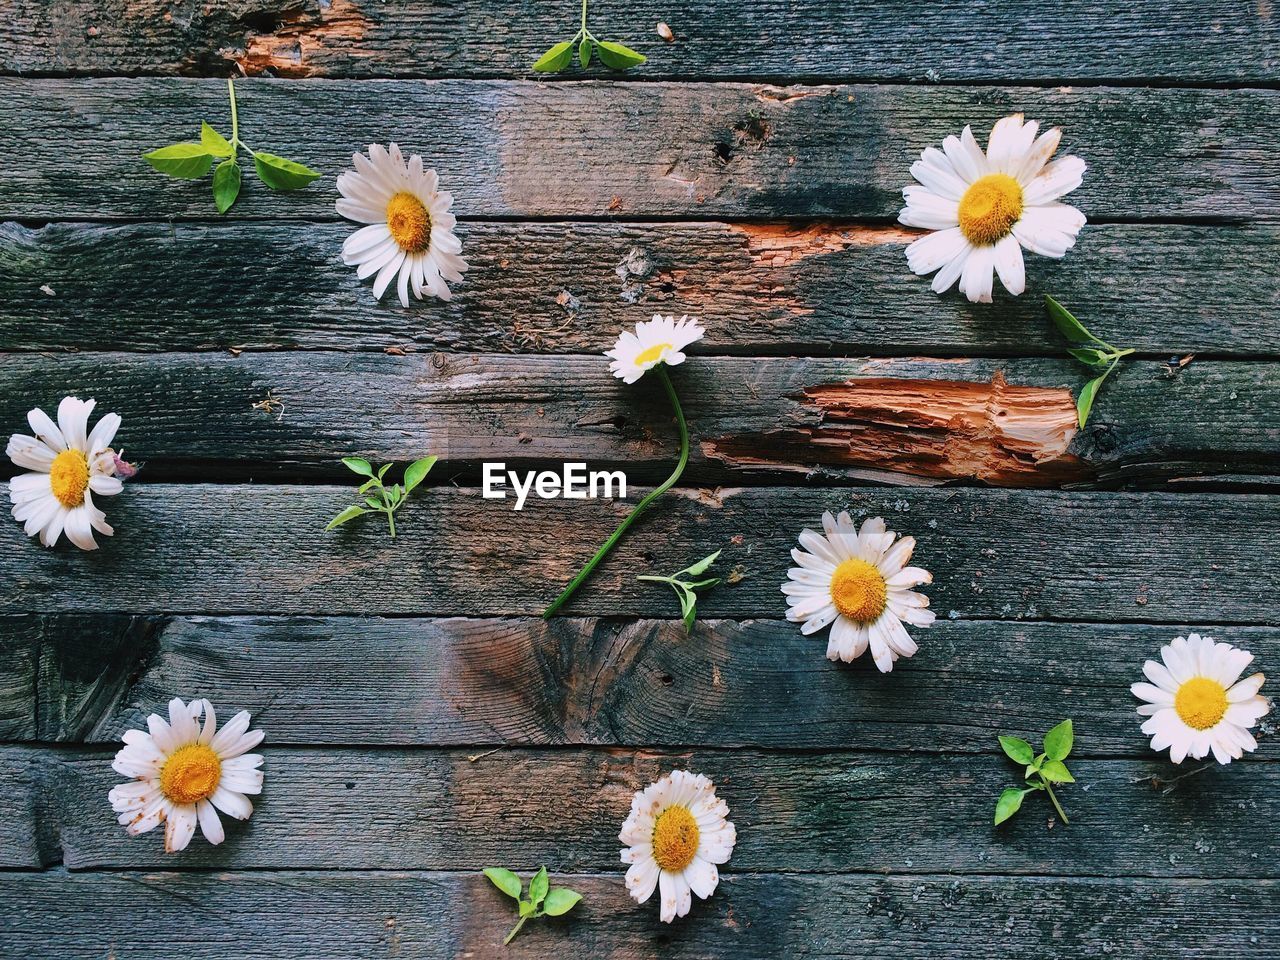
x=1067, y=325
x=584, y=53
x=1031, y=768
x=1055, y=771
x=555, y=59
x=688, y=608
x=1084, y=403
x=538, y=886
x=1089, y=356
x=560, y=901
x=1058, y=741
x=185, y=161
x=416, y=472
x=214, y=142
x=281, y=174
x=504, y=880
x=374, y=504
x=226, y=185
x=348, y=514
x=526, y=908
x=1009, y=803
x=1017, y=750
x=383, y=471
x=698, y=584
x=618, y=56
x=701, y=566
x=358, y=465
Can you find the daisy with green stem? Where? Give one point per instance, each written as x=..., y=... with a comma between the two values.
x=656, y=344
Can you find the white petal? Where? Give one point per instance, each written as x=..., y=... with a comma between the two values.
x=1009, y=265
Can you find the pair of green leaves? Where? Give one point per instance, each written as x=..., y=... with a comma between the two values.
x=685, y=589
x=191, y=161
x=1041, y=771
x=379, y=498
x=616, y=56
x=1098, y=355
x=543, y=899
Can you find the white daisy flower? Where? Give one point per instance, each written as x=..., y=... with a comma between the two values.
x=71, y=464
x=675, y=835
x=410, y=233
x=986, y=206
x=859, y=582
x=655, y=341
x=1194, y=703
x=185, y=773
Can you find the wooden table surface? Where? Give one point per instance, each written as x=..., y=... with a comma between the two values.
x=422, y=722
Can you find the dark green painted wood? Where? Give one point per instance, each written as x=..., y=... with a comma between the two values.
x=431, y=809
x=569, y=287
x=405, y=682
x=599, y=148
x=329, y=915
x=895, y=421
x=1000, y=41
x=994, y=553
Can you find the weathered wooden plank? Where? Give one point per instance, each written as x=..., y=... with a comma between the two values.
x=994, y=553
x=325, y=914
x=19, y=653
x=456, y=682
x=442, y=810
x=568, y=287
x=1003, y=423
x=1006, y=40
x=626, y=149
x=27, y=814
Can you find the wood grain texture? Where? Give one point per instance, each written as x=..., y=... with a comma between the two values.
x=19, y=656
x=993, y=553
x=623, y=150
x=569, y=287
x=433, y=810
x=1003, y=41
x=906, y=421
x=330, y=915
x=458, y=682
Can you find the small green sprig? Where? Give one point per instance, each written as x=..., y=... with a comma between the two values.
x=1041, y=771
x=1097, y=355
x=544, y=899
x=617, y=56
x=191, y=161
x=383, y=499
x=685, y=589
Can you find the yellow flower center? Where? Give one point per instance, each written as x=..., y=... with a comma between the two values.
x=675, y=839
x=190, y=774
x=859, y=592
x=990, y=208
x=409, y=222
x=1201, y=702
x=69, y=476
x=653, y=353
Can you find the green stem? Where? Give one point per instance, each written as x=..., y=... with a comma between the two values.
x=584, y=16
x=1057, y=806
x=640, y=507
x=235, y=118
x=514, y=930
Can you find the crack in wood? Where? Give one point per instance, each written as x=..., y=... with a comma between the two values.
x=996, y=433
x=290, y=41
